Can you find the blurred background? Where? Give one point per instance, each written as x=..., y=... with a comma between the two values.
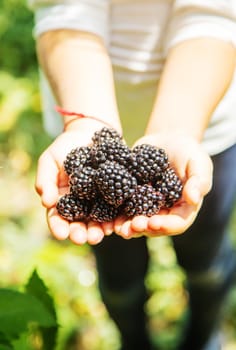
x=25, y=243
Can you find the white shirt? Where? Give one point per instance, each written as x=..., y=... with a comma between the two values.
x=138, y=35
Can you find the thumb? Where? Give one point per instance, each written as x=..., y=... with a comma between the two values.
x=199, y=180
x=46, y=183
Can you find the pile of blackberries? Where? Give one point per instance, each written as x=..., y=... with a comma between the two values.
x=107, y=179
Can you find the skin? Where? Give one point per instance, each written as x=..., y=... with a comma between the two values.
x=196, y=76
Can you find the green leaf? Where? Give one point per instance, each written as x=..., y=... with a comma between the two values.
x=17, y=310
x=36, y=287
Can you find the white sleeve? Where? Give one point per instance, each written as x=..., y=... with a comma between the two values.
x=85, y=15
x=201, y=18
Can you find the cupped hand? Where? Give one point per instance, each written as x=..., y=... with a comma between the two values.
x=52, y=182
x=194, y=167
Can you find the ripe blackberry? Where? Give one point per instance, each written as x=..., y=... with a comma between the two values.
x=110, y=150
x=170, y=185
x=147, y=162
x=72, y=208
x=104, y=134
x=102, y=211
x=78, y=157
x=114, y=182
x=82, y=183
x=144, y=201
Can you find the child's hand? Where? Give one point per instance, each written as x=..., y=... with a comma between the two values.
x=52, y=182
x=194, y=167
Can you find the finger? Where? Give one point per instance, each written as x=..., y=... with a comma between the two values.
x=139, y=223
x=95, y=233
x=126, y=230
x=58, y=226
x=191, y=191
x=176, y=222
x=119, y=222
x=108, y=228
x=46, y=180
x=78, y=233
x=172, y=225
x=199, y=181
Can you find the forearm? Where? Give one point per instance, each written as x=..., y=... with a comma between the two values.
x=196, y=76
x=79, y=71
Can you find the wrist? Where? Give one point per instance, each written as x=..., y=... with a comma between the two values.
x=83, y=124
x=172, y=125
x=168, y=139
x=74, y=120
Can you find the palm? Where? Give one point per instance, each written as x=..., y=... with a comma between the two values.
x=194, y=168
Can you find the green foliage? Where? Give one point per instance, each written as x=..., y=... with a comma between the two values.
x=4, y=342
x=21, y=129
x=17, y=52
x=37, y=288
x=19, y=310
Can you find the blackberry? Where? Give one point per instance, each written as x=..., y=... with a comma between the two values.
x=147, y=162
x=71, y=208
x=104, y=134
x=110, y=150
x=170, y=185
x=114, y=182
x=82, y=184
x=102, y=211
x=144, y=201
x=77, y=158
